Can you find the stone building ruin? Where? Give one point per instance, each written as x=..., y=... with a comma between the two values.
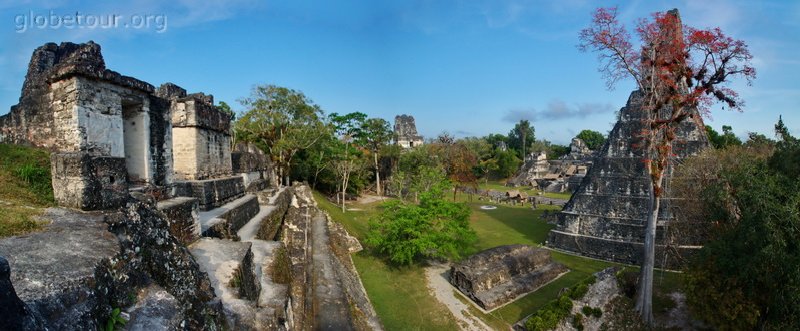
x=605, y=218
x=405, y=132
x=558, y=175
x=177, y=228
x=111, y=133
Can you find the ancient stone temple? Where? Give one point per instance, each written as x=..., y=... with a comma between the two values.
x=405, y=132
x=499, y=275
x=183, y=230
x=605, y=218
x=111, y=133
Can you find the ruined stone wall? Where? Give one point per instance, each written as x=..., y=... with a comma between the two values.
x=254, y=166
x=71, y=103
x=88, y=182
x=201, y=136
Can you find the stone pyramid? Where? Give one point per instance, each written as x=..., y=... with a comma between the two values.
x=605, y=218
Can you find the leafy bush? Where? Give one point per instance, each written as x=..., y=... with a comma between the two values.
x=589, y=311
x=554, y=311
x=115, y=320
x=550, y=315
x=407, y=233
x=579, y=291
x=577, y=322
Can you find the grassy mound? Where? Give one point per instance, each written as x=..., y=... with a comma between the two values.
x=26, y=188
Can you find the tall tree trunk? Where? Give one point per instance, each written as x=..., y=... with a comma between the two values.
x=377, y=176
x=344, y=186
x=644, y=297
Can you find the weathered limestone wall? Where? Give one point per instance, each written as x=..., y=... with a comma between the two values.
x=201, y=136
x=88, y=182
x=70, y=102
x=182, y=215
x=254, y=166
x=605, y=218
x=200, y=154
x=210, y=193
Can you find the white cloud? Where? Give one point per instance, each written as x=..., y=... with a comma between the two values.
x=556, y=110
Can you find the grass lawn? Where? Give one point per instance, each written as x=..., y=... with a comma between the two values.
x=400, y=295
x=25, y=189
x=500, y=186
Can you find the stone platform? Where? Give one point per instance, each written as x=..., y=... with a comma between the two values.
x=499, y=275
x=210, y=193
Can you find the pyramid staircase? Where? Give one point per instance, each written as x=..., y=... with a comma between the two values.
x=235, y=244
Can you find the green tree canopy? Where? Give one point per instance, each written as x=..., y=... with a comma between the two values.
x=435, y=228
x=746, y=276
x=593, y=139
x=727, y=138
x=521, y=137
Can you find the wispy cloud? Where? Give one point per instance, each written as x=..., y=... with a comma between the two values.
x=557, y=110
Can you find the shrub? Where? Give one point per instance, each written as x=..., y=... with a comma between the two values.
x=550, y=315
x=579, y=291
x=589, y=311
x=435, y=228
x=577, y=322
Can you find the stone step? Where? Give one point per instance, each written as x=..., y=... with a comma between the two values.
x=250, y=230
x=182, y=213
x=56, y=271
x=231, y=271
x=273, y=275
x=225, y=221
x=211, y=193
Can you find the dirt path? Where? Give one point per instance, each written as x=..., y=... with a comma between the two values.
x=444, y=292
x=331, y=310
x=367, y=199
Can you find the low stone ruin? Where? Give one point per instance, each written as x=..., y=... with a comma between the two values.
x=499, y=275
x=605, y=218
x=405, y=132
x=559, y=175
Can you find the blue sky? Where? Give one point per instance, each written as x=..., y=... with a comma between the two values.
x=466, y=67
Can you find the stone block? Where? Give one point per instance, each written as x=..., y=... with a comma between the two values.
x=210, y=193
x=182, y=215
x=89, y=182
x=499, y=275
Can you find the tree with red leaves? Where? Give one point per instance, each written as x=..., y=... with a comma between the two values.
x=679, y=71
